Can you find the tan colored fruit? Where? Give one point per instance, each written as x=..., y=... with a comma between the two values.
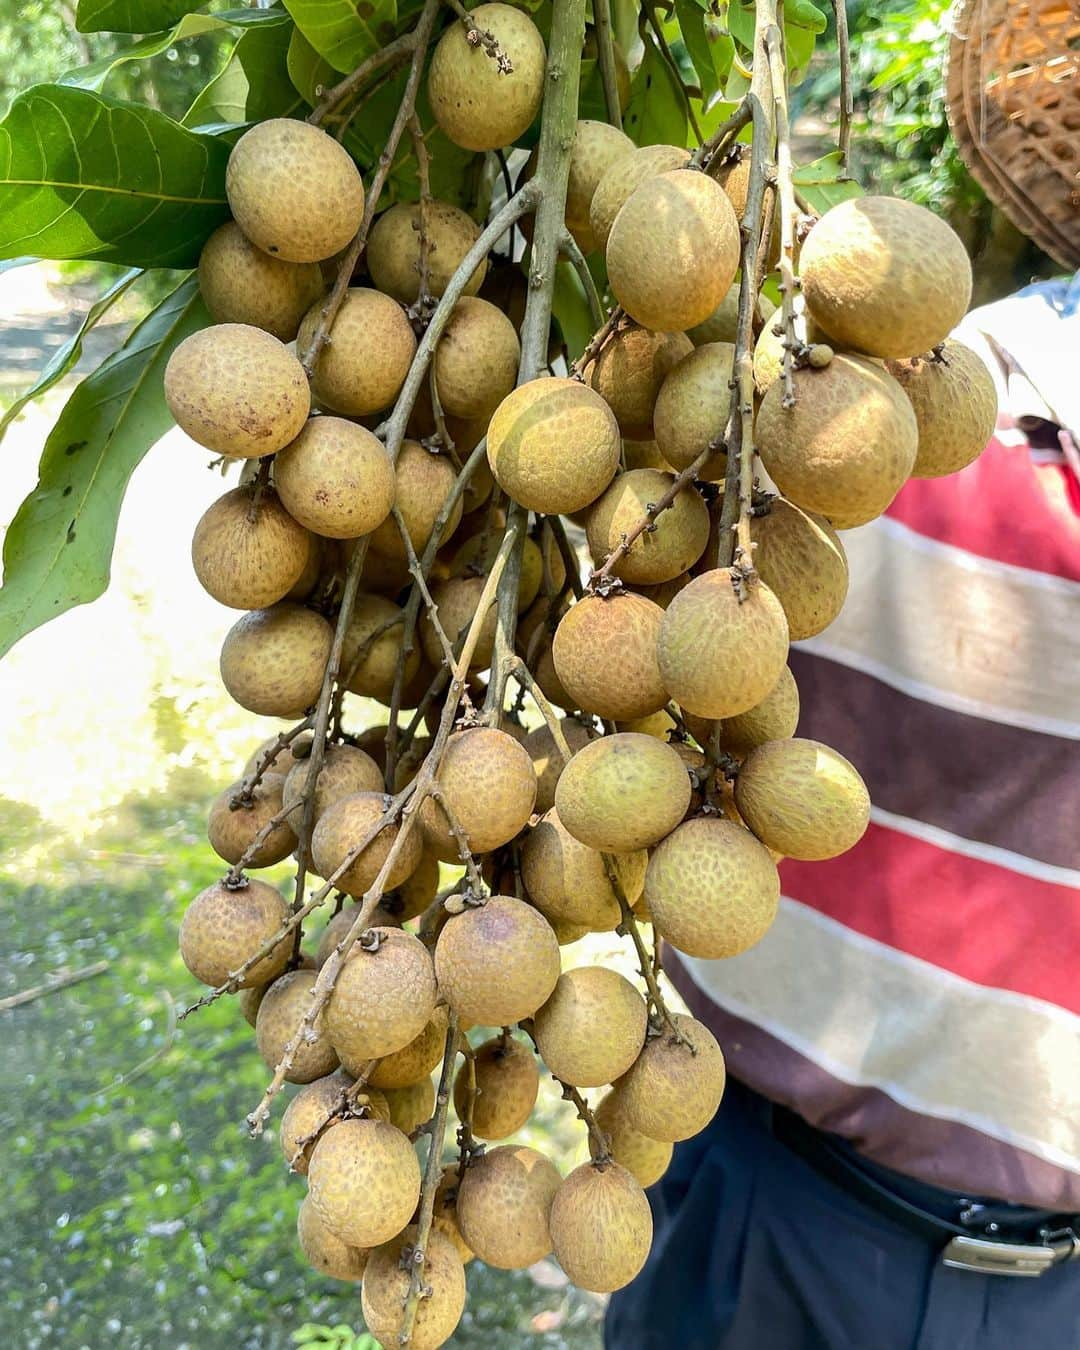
x=692, y=409
x=800, y=558
x=362, y=368
x=529, y=441
x=423, y=482
x=411, y=1106
x=346, y=824
x=339, y=926
x=345, y=771
x=592, y=1027
x=629, y=372
x=415, y=1061
x=364, y=1181
x=386, y=1285
x=675, y=1086
x=955, y=403
x=241, y=284
x=605, y=656
x=231, y=831
x=309, y=578
x=325, y=1252
x=382, y=574
x=622, y=178
x=370, y=662
x=309, y=1114
x=487, y=780
x=237, y=391
x=661, y=554
x=476, y=361
x=847, y=446
x=503, y=1206
x=456, y=600
x=283, y=759
x=657, y=724
x=718, y=655
x=644, y=455
x=383, y=998
x=393, y=249
x=803, y=799
x=294, y=191
x=272, y=660
x=601, y=1227
x=566, y=880
x=497, y=963
x=597, y=146
x=477, y=104
x=673, y=250
x=445, y=1214
x=663, y=594
x=478, y=553
x=722, y=323
x=547, y=760
x=885, y=276
x=773, y=719
x=223, y=928
x=623, y=792
x=247, y=550
x=281, y=1012
x=507, y=1081
x=336, y=478
x=645, y=1159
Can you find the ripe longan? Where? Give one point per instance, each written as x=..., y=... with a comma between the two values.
x=413, y=1062
x=503, y=1206
x=773, y=719
x=692, y=409
x=393, y=249
x=800, y=557
x=623, y=792
x=412, y=1105
x=955, y=403
x=645, y=1159
x=307, y=1114
x=281, y=1013
x=456, y=600
x=386, y=1284
x=383, y=997
x=345, y=770
x=224, y=927
x=364, y=1181
x=422, y=483
x=605, y=656
x=661, y=554
x=507, y=1081
x=369, y=662
x=674, y=1088
x=547, y=760
x=335, y=478
x=621, y=179
x=248, y=551
x=496, y=963
x=273, y=660
x=344, y=826
x=597, y=146
x=592, y=1027
x=629, y=372
x=476, y=360
x=323, y=1250
x=567, y=882
x=241, y=284
x=487, y=780
x=362, y=368
x=230, y=831
x=601, y=1227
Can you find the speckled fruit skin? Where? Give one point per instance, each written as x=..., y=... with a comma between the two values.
x=955, y=403
x=336, y=478
x=487, y=779
x=773, y=719
x=621, y=179
x=364, y=1181
x=373, y=677
x=601, y=1227
x=422, y=484
x=416, y=1060
x=885, y=276
x=503, y=1206
x=393, y=249
x=361, y=370
x=497, y=963
x=345, y=770
x=673, y=250
x=592, y=1027
x=605, y=656
x=476, y=360
x=623, y=792
x=272, y=660
x=801, y=559
x=553, y=445
x=222, y=928
x=308, y=1112
x=324, y=1251
x=241, y=284
x=711, y=888
x=847, y=446
x=249, y=553
x=803, y=799
x=721, y=324
x=383, y=998
x=455, y=603
x=597, y=146
x=478, y=106
x=629, y=372
x=692, y=409
x=412, y=1105
x=294, y=191
x=343, y=827
x=507, y=1081
x=718, y=655
x=237, y=391
x=645, y=1159
x=283, y=760
x=678, y=541
x=674, y=1089
x=566, y=881
x=280, y=1013
x=386, y=1285
x=547, y=760
x=230, y=832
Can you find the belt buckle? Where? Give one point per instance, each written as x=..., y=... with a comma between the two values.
x=998, y=1258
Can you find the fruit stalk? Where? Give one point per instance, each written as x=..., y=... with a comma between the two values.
x=568, y=246
x=394, y=53
x=847, y=104
x=267, y=757
x=774, y=42
x=605, y=55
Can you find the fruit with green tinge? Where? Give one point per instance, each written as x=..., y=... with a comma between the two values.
x=623, y=792
x=566, y=880
x=503, y=1206
x=773, y=719
x=323, y=1250
x=722, y=323
x=622, y=178
x=383, y=997
x=597, y=146
x=423, y=481
x=692, y=409
x=675, y=1085
x=335, y=478
x=486, y=780
x=411, y=1106
x=592, y=1027
x=239, y=283
x=345, y=770
x=547, y=759
x=364, y=1181
x=645, y=1159
x=496, y=963
x=372, y=647
x=955, y=403
x=231, y=832
x=361, y=370
x=675, y=543
x=224, y=927
x=281, y=1014
x=393, y=249
x=248, y=551
x=601, y=1227
x=348, y=823
x=415, y=1061
x=605, y=656
x=629, y=372
x=476, y=361
x=273, y=660
x=800, y=557
x=506, y=1083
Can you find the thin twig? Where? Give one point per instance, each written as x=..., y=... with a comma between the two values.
x=482, y=38
x=774, y=42
x=568, y=245
x=61, y=980
x=711, y=151
x=614, y=323
x=847, y=105
x=601, y=1143
x=395, y=52
x=265, y=759
x=605, y=55
x=420, y=311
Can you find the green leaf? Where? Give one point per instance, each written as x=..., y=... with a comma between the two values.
x=710, y=49
x=345, y=31
x=85, y=176
x=656, y=113
x=94, y=75
x=254, y=83
x=58, y=548
x=821, y=185
x=130, y=16
x=804, y=14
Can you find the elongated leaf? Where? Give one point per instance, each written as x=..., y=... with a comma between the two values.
x=656, y=113
x=95, y=75
x=709, y=48
x=58, y=548
x=345, y=31
x=130, y=16
x=85, y=176
x=254, y=83
x=820, y=184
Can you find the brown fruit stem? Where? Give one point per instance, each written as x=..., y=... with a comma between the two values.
x=847, y=105
x=605, y=55
x=568, y=246
x=394, y=53
x=235, y=875
x=266, y=758
x=424, y=301
x=602, y=1144
x=465, y=1140
x=774, y=44
x=711, y=150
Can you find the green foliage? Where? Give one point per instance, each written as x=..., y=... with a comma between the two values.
x=254, y=83
x=129, y=16
x=344, y=32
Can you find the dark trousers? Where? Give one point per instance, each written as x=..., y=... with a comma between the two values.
x=755, y=1250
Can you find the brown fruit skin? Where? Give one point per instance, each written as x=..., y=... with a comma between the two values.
x=325, y=1252
x=414, y=1062
x=547, y=760
x=280, y=1013
x=673, y=250
x=294, y=191
x=955, y=403
x=445, y=1215
x=497, y=963
x=241, y=284
x=503, y=1206
x=382, y=999
x=773, y=719
x=719, y=656
x=803, y=799
x=712, y=889
x=885, y=276
x=249, y=553
x=345, y=770
x=644, y=455
x=411, y=1106
x=645, y=1159
x=692, y=409
x=601, y=1227
x=566, y=881
x=487, y=779
x=476, y=361
x=677, y=542
x=339, y=925
x=361, y=370
x=393, y=249
x=527, y=444
x=374, y=676
x=629, y=372
x=336, y=478
x=386, y=1285
x=605, y=656
x=592, y=1027
x=674, y=1089
x=222, y=928
x=622, y=178
x=801, y=559
x=230, y=832
x=283, y=760
x=272, y=660
x=308, y=1112
x=623, y=792
x=343, y=827
x=422, y=484
x=597, y=145
x=237, y=391
x=364, y=1181
x=456, y=600
x=507, y=1081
